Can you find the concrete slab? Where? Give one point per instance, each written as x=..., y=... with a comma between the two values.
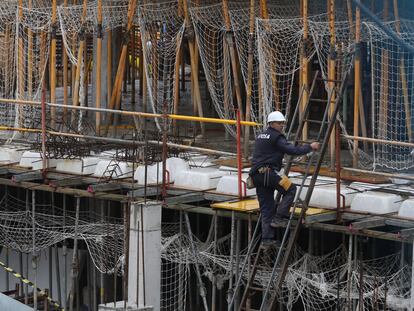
x=376, y=202
x=114, y=169
x=229, y=184
x=84, y=166
x=407, y=209
x=34, y=160
x=199, y=178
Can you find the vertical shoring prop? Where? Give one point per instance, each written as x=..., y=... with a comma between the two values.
x=133, y=65
x=412, y=281
x=194, y=67
x=349, y=275
x=404, y=83
x=53, y=30
x=7, y=248
x=75, y=268
x=99, y=35
x=126, y=209
x=82, y=43
x=101, y=279
x=65, y=257
x=34, y=253
x=26, y=287
x=65, y=75
x=20, y=61
x=249, y=75
x=357, y=83
x=58, y=281
x=230, y=42
x=246, y=262
x=117, y=87
x=304, y=70
x=214, y=280
x=195, y=256
x=232, y=244
x=384, y=86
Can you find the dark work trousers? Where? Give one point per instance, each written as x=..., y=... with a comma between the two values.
x=266, y=184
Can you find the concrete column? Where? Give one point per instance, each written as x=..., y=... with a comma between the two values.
x=144, y=269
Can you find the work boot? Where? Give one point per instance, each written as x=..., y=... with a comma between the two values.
x=278, y=222
x=268, y=244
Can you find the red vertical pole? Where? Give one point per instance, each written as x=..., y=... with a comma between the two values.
x=239, y=155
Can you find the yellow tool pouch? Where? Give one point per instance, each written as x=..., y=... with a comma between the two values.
x=285, y=182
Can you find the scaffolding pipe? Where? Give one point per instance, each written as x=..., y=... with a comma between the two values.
x=133, y=113
x=383, y=141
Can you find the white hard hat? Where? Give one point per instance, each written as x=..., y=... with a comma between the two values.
x=275, y=116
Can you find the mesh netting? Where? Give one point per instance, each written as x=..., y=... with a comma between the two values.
x=279, y=41
x=392, y=95
x=212, y=41
x=240, y=25
x=16, y=230
x=7, y=50
x=32, y=52
x=342, y=51
x=162, y=27
x=314, y=282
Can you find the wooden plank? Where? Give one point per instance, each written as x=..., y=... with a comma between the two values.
x=64, y=190
x=370, y=222
x=185, y=198
x=365, y=232
x=28, y=176
x=109, y=186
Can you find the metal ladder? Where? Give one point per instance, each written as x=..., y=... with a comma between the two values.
x=284, y=253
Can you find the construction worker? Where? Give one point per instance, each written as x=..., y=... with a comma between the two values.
x=270, y=148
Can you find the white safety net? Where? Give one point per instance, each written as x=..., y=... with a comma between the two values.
x=241, y=19
x=7, y=57
x=32, y=53
x=392, y=95
x=162, y=27
x=214, y=47
x=279, y=42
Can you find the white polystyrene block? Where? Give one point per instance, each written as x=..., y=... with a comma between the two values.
x=376, y=202
x=154, y=174
x=200, y=161
x=173, y=165
x=199, y=178
x=407, y=209
x=84, y=166
x=10, y=155
x=324, y=196
x=34, y=160
x=114, y=169
x=229, y=184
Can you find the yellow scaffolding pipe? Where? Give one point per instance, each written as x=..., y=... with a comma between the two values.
x=134, y=113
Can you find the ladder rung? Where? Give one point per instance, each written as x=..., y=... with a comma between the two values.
x=305, y=141
x=257, y=289
x=315, y=121
x=318, y=100
x=330, y=80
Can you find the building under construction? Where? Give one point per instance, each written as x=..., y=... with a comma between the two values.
x=127, y=135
